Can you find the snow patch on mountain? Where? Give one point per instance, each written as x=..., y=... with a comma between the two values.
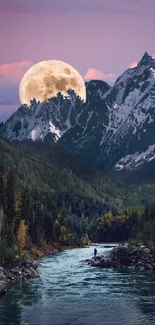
x=136, y=160
x=56, y=131
x=35, y=134
x=56, y=117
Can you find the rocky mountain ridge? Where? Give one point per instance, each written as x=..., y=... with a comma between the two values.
x=113, y=129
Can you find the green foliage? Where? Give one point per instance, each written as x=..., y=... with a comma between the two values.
x=7, y=255
x=63, y=201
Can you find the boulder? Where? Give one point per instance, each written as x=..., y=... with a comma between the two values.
x=139, y=265
x=30, y=263
x=2, y=276
x=24, y=270
x=3, y=286
x=131, y=267
x=29, y=273
x=126, y=256
x=149, y=267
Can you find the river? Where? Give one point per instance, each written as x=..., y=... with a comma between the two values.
x=70, y=292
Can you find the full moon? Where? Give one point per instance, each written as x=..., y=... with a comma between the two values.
x=45, y=79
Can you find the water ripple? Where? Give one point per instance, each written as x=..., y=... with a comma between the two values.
x=70, y=292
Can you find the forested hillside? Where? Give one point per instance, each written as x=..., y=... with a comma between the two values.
x=48, y=196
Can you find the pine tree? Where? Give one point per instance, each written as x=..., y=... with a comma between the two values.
x=57, y=229
x=17, y=204
x=10, y=202
x=1, y=221
x=1, y=187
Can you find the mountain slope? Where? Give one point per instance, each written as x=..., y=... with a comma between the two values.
x=135, y=111
x=128, y=123
x=48, y=170
x=42, y=119
x=52, y=119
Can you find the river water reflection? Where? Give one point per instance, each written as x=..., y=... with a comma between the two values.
x=70, y=292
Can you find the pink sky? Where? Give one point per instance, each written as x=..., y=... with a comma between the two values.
x=100, y=38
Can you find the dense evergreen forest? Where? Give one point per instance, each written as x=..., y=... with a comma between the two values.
x=47, y=196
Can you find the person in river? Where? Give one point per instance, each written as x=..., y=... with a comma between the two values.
x=95, y=252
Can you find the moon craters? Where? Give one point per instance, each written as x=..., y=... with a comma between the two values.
x=33, y=89
x=73, y=82
x=61, y=84
x=45, y=79
x=67, y=71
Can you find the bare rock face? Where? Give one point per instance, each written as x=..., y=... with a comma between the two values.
x=131, y=257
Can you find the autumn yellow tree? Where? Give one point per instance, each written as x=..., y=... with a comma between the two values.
x=85, y=240
x=63, y=236
x=21, y=236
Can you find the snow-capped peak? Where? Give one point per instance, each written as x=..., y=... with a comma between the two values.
x=115, y=126
x=55, y=117
x=146, y=60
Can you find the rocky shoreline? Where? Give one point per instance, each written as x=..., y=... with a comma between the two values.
x=126, y=256
x=24, y=270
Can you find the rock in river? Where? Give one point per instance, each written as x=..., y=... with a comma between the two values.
x=126, y=256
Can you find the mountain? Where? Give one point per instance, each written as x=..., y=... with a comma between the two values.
x=124, y=125
x=134, y=116
x=113, y=129
x=50, y=120
x=42, y=119
x=1, y=125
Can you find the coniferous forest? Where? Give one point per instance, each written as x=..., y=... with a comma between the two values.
x=47, y=196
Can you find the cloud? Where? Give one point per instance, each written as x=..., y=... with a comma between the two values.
x=153, y=55
x=14, y=71
x=93, y=73
x=133, y=65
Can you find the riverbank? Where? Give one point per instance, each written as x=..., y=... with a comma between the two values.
x=26, y=269
x=126, y=256
x=68, y=291
x=50, y=249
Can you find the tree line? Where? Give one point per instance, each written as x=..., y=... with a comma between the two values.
x=30, y=218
